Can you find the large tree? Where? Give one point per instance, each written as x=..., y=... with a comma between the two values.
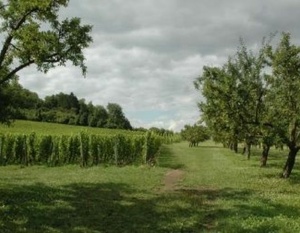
x=248, y=67
x=219, y=108
x=234, y=105
x=284, y=96
x=33, y=33
x=195, y=134
x=116, y=118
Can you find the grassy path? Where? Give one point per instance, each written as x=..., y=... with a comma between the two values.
x=205, y=165
x=234, y=194
x=209, y=189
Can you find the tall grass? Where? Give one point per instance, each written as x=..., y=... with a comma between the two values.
x=84, y=148
x=29, y=143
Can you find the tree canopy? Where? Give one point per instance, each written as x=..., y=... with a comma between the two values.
x=33, y=33
x=61, y=108
x=195, y=134
x=255, y=97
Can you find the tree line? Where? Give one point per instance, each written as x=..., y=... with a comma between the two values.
x=59, y=108
x=254, y=98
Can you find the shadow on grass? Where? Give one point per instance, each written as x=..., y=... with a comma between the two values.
x=244, y=205
x=78, y=208
x=112, y=207
x=210, y=147
x=295, y=176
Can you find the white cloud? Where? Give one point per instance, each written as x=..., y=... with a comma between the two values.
x=147, y=53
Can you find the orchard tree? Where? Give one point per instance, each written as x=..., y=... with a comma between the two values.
x=284, y=96
x=195, y=134
x=220, y=110
x=251, y=89
x=32, y=33
x=244, y=101
x=234, y=98
x=269, y=138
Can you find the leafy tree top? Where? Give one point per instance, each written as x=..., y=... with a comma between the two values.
x=33, y=33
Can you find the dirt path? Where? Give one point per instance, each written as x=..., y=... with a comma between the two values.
x=171, y=180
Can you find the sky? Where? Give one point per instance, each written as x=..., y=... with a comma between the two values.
x=146, y=54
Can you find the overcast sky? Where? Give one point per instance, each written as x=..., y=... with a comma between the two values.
x=147, y=53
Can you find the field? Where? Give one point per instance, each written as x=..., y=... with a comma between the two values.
x=203, y=189
x=42, y=128
x=34, y=143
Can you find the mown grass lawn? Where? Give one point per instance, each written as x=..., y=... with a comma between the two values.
x=219, y=192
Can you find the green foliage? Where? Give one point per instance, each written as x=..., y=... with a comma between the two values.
x=7, y=110
x=32, y=147
x=116, y=118
x=152, y=145
x=255, y=97
x=2, y=157
x=167, y=136
x=33, y=33
x=195, y=134
x=234, y=94
x=284, y=89
x=64, y=149
x=45, y=147
x=20, y=103
x=84, y=148
x=74, y=150
x=8, y=149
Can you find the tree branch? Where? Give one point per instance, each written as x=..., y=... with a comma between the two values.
x=3, y=6
x=8, y=40
x=14, y=71
x=259, y=101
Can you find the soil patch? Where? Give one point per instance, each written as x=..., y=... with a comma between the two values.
x=171, y=179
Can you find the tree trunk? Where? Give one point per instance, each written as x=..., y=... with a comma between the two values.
x=265, y=154
x=248, y=148
x=290, y=162
x=235, y=147
x=244, y=149
x=231, y=146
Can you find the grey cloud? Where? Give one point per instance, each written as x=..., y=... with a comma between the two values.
x=146, y=53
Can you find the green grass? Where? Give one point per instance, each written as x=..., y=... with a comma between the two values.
x=71, y=199
x=237, y=195
x=26, y=127
x=220, y=192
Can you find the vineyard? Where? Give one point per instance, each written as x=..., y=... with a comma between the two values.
x=86, y=148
